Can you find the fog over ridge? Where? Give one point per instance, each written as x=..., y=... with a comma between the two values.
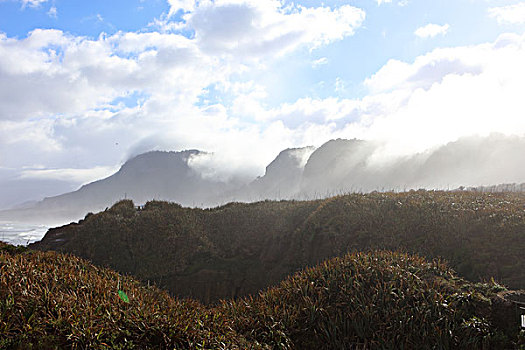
x=86, y=88
x=337, y=166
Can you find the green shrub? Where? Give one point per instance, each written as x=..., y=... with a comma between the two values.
x=56, y=301
x=379, y=300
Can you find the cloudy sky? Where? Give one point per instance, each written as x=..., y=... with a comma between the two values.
x=84, y=85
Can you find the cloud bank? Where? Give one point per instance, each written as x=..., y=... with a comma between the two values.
x=510, y=14
x=193, y=81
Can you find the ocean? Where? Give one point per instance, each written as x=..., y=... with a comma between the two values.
x=17, y=233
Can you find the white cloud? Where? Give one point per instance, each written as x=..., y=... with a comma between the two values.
x=431, y=30
x=513, y=14
x=54, y=73
x=319, y=62
x=81, y=176
x=32, y=3
x=52, y=12
x=184, y=5
x=51, y=73
x=425, y=71
x=249, y=28
x=399, y=3
x=253, y=28
x=414, y=106
x=451, y=93
x=39, y=134
x=339, y=85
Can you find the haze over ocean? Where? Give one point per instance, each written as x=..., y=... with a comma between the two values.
x=21, y=234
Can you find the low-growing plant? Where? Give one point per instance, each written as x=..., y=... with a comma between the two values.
x=58, y=301
x=379, y=300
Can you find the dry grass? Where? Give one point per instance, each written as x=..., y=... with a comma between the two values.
x=379, y=300
x=50, y=300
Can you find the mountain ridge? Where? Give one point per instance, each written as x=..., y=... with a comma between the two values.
x=338, y=166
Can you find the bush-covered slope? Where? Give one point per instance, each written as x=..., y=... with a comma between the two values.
x=238, y=249
x=481, y=235
x=376, y=300
x=56, y=301
x=206, y=254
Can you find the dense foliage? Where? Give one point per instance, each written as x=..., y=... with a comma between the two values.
x=378, y=300
x=239, y=249
x=56, y=301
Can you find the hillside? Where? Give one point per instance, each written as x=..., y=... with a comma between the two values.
x=56, y=301
x=239, y=249
x=282, y=177
x=338, y=166
x=356, y=165
x=380, y=300
x=152, y=175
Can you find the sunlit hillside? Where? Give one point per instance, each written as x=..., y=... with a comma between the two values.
x=238, y=249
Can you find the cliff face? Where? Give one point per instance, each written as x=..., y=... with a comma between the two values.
x=338, y=166
x=282, y=178
x=152, y=175
x=239, y=249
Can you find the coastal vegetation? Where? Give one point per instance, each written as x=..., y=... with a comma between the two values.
x=58, y=301
x=376, y=300
x=238, y=249
x=413, y=270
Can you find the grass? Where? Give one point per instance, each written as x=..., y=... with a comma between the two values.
x=376, y=300
x=379, y=300
x=57, y=301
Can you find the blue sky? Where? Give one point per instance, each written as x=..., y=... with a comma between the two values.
x=387, y=33
x=89, y=18
x=86, y=84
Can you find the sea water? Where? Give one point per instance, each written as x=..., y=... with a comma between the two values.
x=17, y=233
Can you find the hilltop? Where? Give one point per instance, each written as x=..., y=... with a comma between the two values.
x=152, y=175
x=368, y=300
x=238, y=249
x=190, y=177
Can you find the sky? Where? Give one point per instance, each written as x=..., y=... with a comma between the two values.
x=85, y=85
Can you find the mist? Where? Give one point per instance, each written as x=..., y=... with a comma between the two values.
x=343, y=166
x=353, y=165
x=201, y=179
